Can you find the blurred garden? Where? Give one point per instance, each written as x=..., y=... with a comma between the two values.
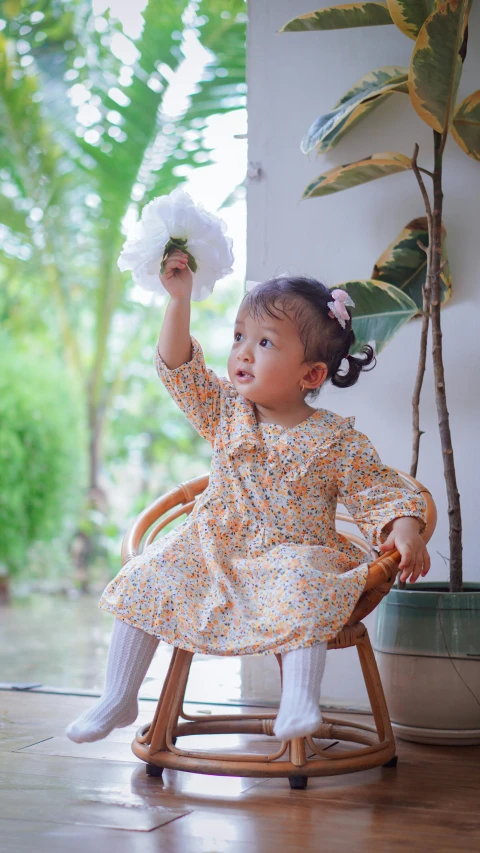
x=103, y=106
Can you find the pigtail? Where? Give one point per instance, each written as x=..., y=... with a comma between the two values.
x=347, y=378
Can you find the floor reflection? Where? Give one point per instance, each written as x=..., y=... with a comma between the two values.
x=62, y=643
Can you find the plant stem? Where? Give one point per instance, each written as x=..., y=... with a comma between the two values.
x=425, y=171
x=435, y=240
x=422, y=359
x=426, y=290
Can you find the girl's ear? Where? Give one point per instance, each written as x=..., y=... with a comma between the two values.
x=315, y=375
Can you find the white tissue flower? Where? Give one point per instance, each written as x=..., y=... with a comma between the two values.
x=175, y=218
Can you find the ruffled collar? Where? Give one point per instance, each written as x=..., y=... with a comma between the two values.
x=297, y=447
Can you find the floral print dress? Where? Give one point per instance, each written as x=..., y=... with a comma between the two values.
x=258, y=566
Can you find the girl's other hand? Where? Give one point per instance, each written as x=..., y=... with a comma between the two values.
x=406, y=539
x=177, y=277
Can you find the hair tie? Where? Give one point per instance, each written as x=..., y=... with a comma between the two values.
x=338, y=310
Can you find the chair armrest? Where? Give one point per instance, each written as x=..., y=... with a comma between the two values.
x=383, y=570
x=381, y=576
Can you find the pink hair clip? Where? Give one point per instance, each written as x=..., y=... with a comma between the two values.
x=338, y=308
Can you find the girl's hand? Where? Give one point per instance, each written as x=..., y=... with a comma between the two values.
x=177, y=277
x=405, y=538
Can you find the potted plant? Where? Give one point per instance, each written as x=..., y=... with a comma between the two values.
x=427, y=642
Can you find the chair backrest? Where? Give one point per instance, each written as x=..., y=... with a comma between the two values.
x=181, y=500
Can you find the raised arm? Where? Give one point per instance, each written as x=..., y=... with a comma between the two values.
x=179, y=360
x=174, y=343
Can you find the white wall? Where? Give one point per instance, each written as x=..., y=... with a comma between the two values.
x=292, y=79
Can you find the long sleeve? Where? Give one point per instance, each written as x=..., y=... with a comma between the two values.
x=196, y=389
x=372, y=492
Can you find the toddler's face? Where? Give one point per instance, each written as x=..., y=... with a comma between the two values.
x=266, y=364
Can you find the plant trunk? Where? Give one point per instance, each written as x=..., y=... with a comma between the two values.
x=426, y=296
x=85, y=542
x=422, y=360
x=435, y=240
x=4, y=589
x=417, y=391
x=95, y=422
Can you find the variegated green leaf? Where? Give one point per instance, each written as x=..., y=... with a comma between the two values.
x=359, y=172
x=465, y=128
x=368, y=93
x=381, y=309
x=362, y=110
x=374, y=82
x=404, y=263
x=410, y=15
x=436, y=65
x=340, y=17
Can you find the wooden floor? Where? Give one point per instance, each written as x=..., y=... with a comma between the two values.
x=60, y=796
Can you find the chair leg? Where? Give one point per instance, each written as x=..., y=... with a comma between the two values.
x=297, y=751
x=171, y=701
x=374, y=689
x=147, y=738
x=153, y=770
x=298, y=783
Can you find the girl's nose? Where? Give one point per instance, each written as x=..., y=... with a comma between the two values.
x=244, y=354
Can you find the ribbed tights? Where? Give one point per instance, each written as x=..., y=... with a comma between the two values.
x=302, y=672
x=129, y=656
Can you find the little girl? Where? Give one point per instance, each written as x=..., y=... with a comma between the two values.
x=258, y=567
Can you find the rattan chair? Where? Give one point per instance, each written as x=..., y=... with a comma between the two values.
x=156, y=743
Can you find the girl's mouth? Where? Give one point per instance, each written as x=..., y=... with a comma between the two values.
x=243, y=376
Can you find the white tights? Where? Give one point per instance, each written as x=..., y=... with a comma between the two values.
x=129, y=656
x=302, y=673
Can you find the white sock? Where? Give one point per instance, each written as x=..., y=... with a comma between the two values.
x=302, y=671
x=129, y=656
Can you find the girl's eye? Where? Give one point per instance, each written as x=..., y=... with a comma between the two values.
x=237, y=337
x=266, y=343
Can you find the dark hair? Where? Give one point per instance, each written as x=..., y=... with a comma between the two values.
x=305, y=301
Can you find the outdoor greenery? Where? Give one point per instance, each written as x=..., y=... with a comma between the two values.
x=84, y=143
x=41, y=432
x=412, y=276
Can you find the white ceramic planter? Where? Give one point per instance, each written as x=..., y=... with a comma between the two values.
x=428, y=653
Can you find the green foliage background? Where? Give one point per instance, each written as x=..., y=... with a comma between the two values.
x=42, y=452
x=85, y=385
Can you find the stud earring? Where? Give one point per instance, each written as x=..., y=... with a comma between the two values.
x=302, y=387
